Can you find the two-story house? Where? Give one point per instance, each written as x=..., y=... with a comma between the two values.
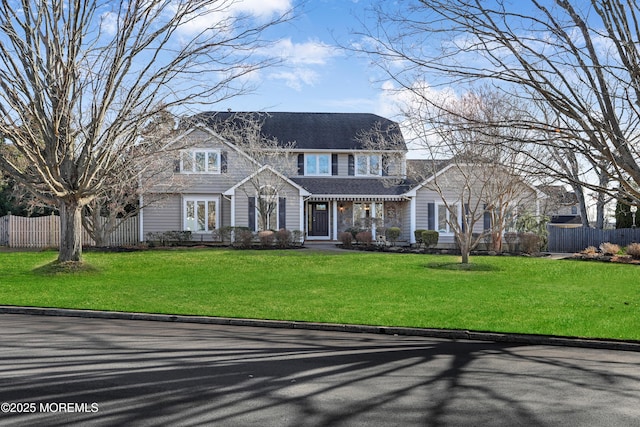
x=339, y=180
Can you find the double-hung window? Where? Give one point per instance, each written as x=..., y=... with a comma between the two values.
x=444, y=217
x=368, y=164
x=200, y=214
x=201, y=161
x=317, y=164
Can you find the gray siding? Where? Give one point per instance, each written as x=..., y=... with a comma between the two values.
x=165, y=215
x=292, y=205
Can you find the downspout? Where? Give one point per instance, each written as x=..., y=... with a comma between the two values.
x=232, y=222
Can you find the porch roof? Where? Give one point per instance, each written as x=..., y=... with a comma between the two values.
x=372, y=189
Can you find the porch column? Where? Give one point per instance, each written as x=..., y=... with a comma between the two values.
x=412, y=220
x=373, y=220
x=303, y=220
x=334, y=231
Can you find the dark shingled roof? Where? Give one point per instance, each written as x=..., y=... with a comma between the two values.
x=312, y=131
x=352, y=186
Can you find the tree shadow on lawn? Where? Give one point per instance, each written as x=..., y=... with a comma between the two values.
x=163, y=374
x=458, y=266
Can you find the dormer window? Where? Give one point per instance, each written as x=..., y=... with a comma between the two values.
x=369, y=165
x=200, y=161
x=317, y=164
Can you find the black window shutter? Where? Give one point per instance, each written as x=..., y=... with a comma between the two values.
x=465, y=215
x=487, y=219
x=252, y=214
x=431, y=216
x=176, y=165
x=352, y=165
x=385, y=165
x=223, y=162
x=334, y=164
x=282, y=213
x=300, y=164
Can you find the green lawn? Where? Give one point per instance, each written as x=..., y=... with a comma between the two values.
x=506, y=294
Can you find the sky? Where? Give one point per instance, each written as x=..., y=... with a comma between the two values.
x=316, y=75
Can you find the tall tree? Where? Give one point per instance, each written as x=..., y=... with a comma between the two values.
x=79, y=80
x=575, y=59
x=478, y=179
x=146, y=166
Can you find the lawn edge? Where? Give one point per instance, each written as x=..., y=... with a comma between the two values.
x=450, y=334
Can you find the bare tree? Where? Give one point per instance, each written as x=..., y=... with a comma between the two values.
x=146, y=166
x=78, y=81
x=475, y=170
x=576, y=59
x=266, y=161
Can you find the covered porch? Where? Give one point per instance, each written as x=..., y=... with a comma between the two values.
x=328, y=216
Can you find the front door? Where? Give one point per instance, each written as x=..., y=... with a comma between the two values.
x=319, y=219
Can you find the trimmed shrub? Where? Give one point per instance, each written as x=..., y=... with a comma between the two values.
x=393, y=234
x=418, y=236
x=430, y=238
x=634, y=250
x=244, y=238
x=530, y=243
x=223, y=234
x=283, y=238
x=609, y=248
x=266, y=237
x=354, y=231
x=364, y=237
x=169, y=238
x=346, y=238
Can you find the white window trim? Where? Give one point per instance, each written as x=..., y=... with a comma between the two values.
x=447, y=226
x=368, y=173
x=317, y=155
x=196, y=199
x=192, y=153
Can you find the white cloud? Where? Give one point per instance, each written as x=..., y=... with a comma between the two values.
x=220, y=15
x=262, y=8
x=297, y=78
x=298, y=60
x=308, y=53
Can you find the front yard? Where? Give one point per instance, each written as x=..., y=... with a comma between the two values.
x=504, y=294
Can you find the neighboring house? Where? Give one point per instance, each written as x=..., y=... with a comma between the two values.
x=339, y=182
x=561, y=207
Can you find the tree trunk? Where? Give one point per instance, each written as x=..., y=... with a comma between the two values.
x=465, y=256
x=70, y=231
x=578, y=190
x=465, y=244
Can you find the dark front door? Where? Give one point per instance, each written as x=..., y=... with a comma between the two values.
x=319, y=219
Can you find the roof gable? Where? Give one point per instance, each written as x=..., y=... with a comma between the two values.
x=312, y=131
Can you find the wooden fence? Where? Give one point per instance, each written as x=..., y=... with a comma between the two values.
x=44, y=232
x=577, y=239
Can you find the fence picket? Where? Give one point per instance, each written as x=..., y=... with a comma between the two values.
x=43, y=232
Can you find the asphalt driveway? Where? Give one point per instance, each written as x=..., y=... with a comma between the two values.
x=60, y=371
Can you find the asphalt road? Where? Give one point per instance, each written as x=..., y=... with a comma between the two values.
x=61, y=371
